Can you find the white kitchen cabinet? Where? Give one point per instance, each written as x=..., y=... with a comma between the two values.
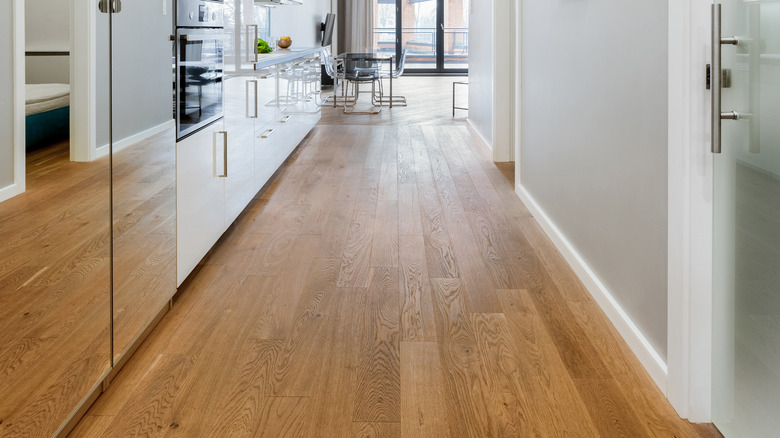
x=221, y=168
x=266, y=131
x=241, y=111
x=200, y=196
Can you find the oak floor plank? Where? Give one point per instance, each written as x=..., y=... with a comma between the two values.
x=378, y=397
x=509, y=403
x=91, y=426
x=148, y=411
x=377, y=430
x=288, y=287
x=292, y=373
x=409, y=222
x=468, y=393
x=384, y=243
x=651, y=407
x=423, y=395
x=357, y=250
x=417, y=321
x=610, y=412
x=333, y=400
x=388, y=180
x=549, y=383
x=283, y=417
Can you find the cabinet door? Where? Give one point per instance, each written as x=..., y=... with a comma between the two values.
x=249, y=34
x=200, y=193
x=266, y=131
x=241, y=109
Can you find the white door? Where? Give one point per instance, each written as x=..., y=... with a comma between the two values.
x=746, y=238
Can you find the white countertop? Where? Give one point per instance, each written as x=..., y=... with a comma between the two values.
x=276, y=57
x=284, y=55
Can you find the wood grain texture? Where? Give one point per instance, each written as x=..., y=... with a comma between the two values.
x=332, y=309
x=423, y=394
x=54, y=291
x=417, y=323
x=379, y=382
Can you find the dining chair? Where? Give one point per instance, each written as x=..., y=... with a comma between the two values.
x=396, y=100
x=332, y=70
x=361, y=69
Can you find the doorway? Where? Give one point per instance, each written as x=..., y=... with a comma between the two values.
x=435, y=33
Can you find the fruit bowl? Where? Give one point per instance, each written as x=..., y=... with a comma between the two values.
x=284, y=43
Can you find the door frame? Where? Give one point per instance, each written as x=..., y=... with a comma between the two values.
x=690, y=204
x=83, y=80
x=19, y=152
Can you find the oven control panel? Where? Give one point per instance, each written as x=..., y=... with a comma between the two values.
x=199, y=13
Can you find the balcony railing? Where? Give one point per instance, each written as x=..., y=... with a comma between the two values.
x=421, y=43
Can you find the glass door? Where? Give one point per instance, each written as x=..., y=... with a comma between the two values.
x=746, y=264
x=433, y=32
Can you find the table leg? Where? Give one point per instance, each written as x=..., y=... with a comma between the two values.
x=391, y=83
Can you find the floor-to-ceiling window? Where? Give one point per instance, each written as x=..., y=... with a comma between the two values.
x=434, y=33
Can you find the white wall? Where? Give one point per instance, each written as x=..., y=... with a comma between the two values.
x=594, y=142
x=6, y=95
x=481, y=68
x=47, y=29
x=300, y=22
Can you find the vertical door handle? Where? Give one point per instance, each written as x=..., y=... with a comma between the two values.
x=224, y=173
x=116, y=6
x=254, y=116
x=717, y=77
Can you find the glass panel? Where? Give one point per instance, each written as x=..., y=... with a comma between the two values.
x=144, y=163
x=456, y=34
x=384, y=26
x=746, y=301
x=55, y=271
x=419, y=33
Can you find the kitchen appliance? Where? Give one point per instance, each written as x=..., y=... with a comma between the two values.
x=198, y=78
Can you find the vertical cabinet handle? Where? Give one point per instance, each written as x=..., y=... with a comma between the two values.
x=251, y=43
x=716, y=76
x=224, y=173
x=255, y=114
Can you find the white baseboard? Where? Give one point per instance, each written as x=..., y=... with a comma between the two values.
x=638, y=343
x=486, y=145
x=9, y=192
x=136, y=138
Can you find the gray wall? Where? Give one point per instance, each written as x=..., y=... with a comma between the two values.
x=300, y=22
x=6, y=95
x=594, y=141
x=142, y=88
x=481, y=67
x=47, y=28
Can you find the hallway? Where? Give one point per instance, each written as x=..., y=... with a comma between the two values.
x=387, y=283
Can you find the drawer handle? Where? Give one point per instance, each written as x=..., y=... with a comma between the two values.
x=267, y=133
x=254, y=82
x=285, y=119
x=224, y=154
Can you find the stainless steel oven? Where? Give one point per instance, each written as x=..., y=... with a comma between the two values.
x=199, y=64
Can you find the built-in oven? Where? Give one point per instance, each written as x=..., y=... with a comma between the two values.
x=199, y=65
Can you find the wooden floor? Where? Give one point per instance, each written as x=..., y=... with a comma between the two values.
x=388, y=283
x=55, y=312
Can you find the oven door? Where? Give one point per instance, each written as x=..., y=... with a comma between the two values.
x=199, y=74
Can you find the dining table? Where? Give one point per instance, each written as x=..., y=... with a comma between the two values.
x=354, y=62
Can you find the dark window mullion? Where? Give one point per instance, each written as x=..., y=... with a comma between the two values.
x=440, y=36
